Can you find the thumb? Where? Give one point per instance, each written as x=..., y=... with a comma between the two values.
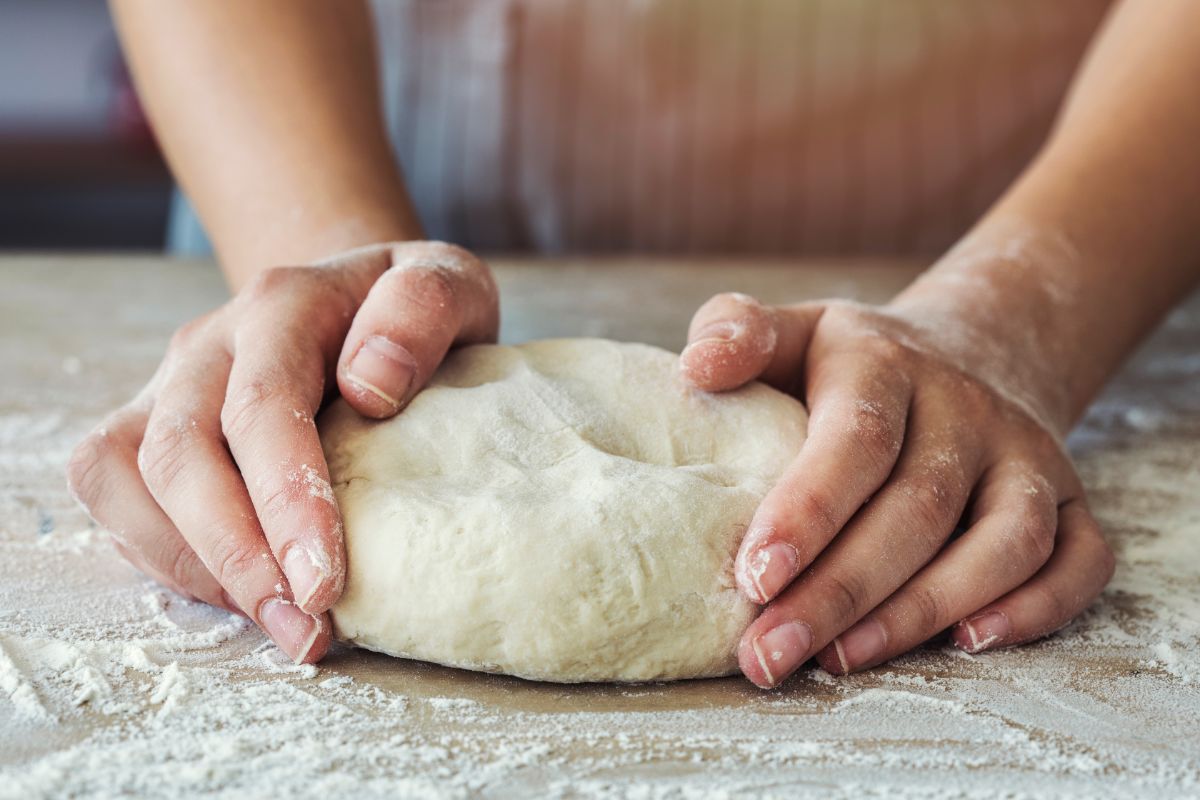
x=434, y=296
x=734, y=339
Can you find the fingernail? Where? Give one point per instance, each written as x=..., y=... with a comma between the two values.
x=294, y=631
x=721, y=331
x=985, y=630
x=306, y=572
x=713, y=332
x=860, y=645
x=769, y=569
x=383, y=368
x=782, y=649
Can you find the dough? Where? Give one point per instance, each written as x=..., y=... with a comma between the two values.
x=564, y=510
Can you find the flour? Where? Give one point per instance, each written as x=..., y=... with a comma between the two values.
x=130, y=689
x=111, y=686
x=317, y=486
x=1177, y=662
x=171, y=688
x=20, y=693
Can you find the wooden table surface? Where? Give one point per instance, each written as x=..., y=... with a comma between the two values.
x=111, y=686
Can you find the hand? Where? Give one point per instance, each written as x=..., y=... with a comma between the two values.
x=853, y=551
x=213, y=481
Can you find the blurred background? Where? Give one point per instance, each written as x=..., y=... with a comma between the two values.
x=726, y=133
x=79, y=168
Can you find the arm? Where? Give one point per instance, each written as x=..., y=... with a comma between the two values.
x=1099, y=238
x=269, y=116
x=948, y=406
x=213, y=480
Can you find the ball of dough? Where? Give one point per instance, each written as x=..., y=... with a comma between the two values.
x=564, y=510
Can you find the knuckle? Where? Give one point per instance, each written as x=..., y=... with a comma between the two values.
x=1054, y=608
x=163, y=453
x=928, y=508
x=182, y=568
x=845, y=594
x=277, y=498
x=876, y=434
x=86, y=469
x=1034, y=534
x=242, y=412
x=466, y=272
x=231, y=559
x=187, y=334
x=331, y=297
x=428, y=286
x=451, y=255
x=972, y=396
x=814, y=505
x=841, y=311
x=885, y=349
x=931, y=610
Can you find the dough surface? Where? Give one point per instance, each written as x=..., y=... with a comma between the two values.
x=564, y=510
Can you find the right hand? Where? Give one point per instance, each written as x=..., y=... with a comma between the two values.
x=212, y=480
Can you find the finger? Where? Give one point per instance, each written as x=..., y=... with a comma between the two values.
x=436, y=295
x=192, y=477
x=1011, y=536
x=1079, y=569
x=275, y=388
x=734, y=339
x=103, y=475
x=859, y=409
x=896, y=534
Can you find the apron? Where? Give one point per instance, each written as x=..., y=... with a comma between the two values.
x=712, y=126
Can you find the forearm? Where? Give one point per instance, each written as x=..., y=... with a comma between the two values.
x=1100, y=237
x=268, y=113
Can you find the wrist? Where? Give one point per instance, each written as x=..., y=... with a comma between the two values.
x=1001, y=305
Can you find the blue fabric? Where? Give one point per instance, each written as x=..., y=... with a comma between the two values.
x=185, y=233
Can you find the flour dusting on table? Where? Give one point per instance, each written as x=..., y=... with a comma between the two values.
x=111, y=686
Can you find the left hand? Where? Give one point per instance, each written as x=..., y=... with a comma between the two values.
x=910, y=435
